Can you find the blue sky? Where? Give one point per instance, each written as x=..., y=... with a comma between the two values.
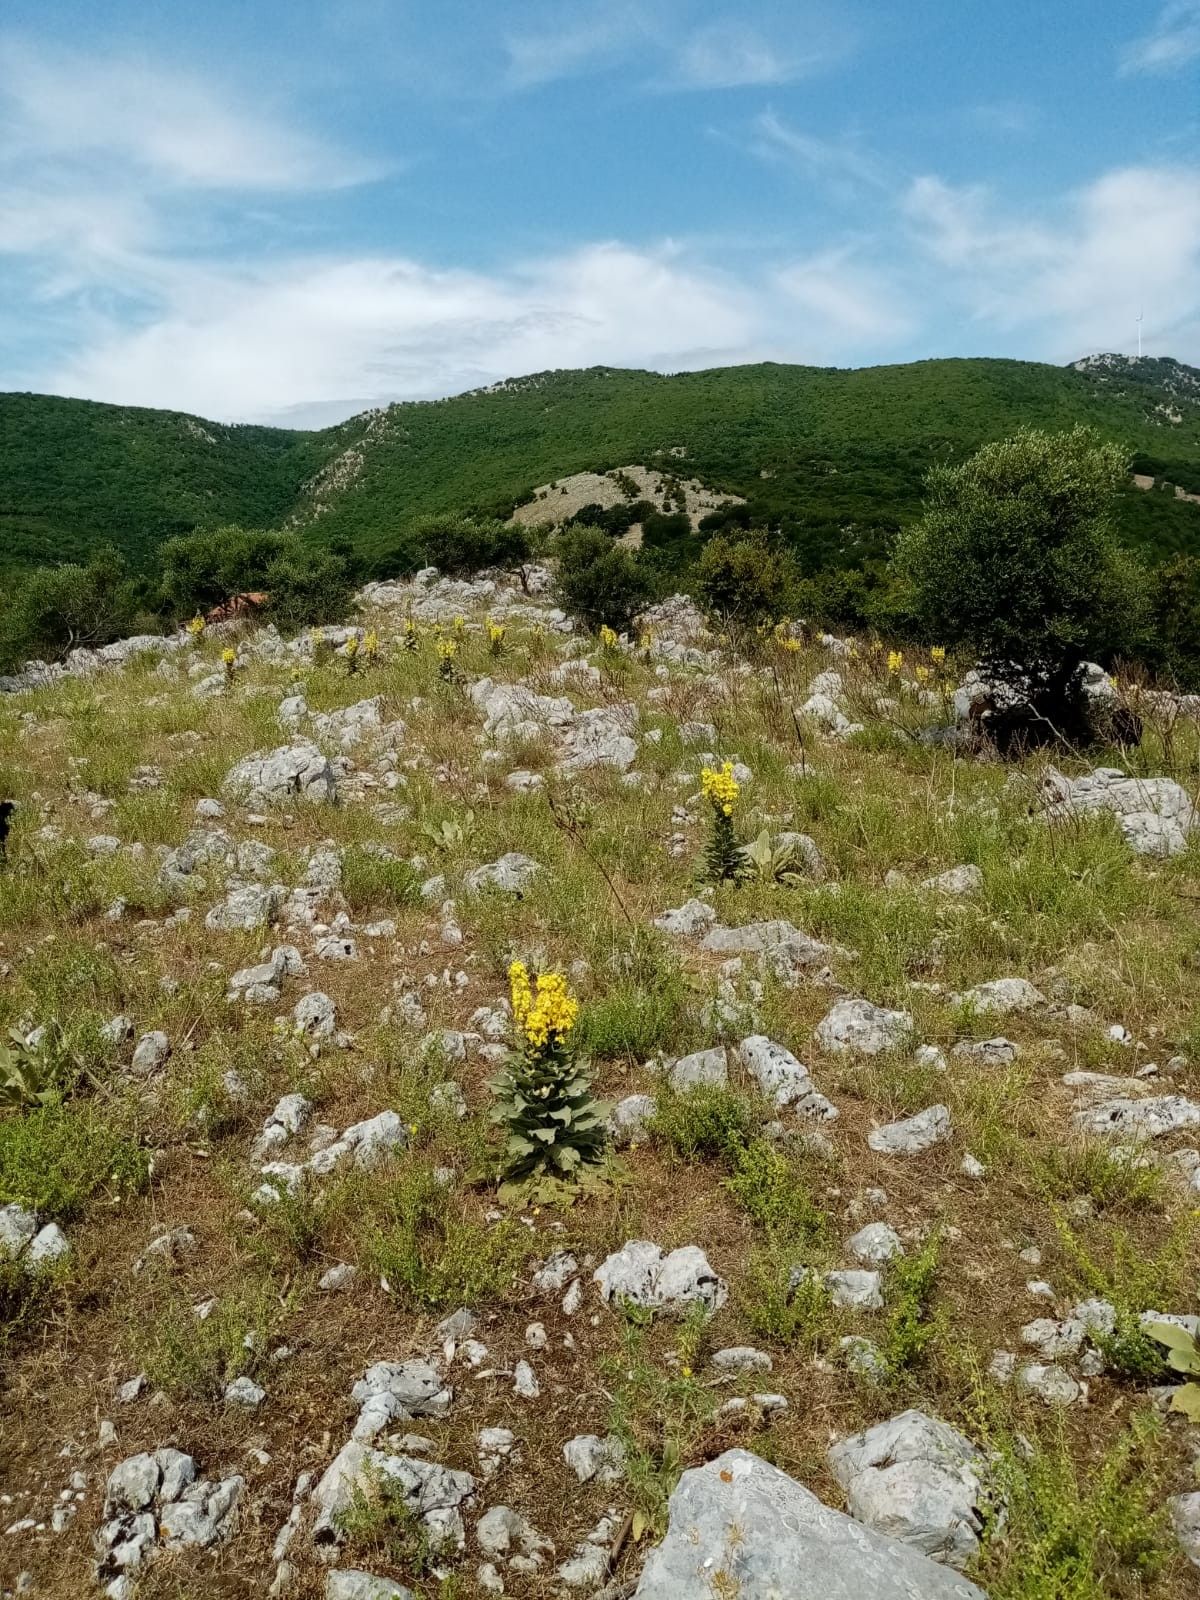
x=286, y=212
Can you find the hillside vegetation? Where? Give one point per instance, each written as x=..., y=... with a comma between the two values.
x=836, y=458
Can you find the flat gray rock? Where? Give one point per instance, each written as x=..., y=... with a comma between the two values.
x=352, y=1584
x=293, y=772
x=642, y=1275
x=768, y=1538
x=912, y=1135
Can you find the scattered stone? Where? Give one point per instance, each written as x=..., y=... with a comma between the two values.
x=856, y=1027
x=687, y=921
x=293, y=772
x=703, y=1069
x=913, y=1134
x=1185, y=1518
x=876, y=1243
x=642, y=1275
x=741, y=1358
x=782, y=1079
x=1129, y=1119
x=590, y=1457
x=350, y=1583
x=1051, y=1383
x=1156, y=815
x=245, y=1394
x=511, y=874
x=957, y=881
x=151, y=1052
x=628, y=1121
x=1000, y=997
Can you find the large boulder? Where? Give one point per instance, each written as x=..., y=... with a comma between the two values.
x=918, y=1480
x=1156, y=815
x=293, y=772
x=743, y=1521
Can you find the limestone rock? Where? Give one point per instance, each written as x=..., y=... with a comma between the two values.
x=640, y=1273
x=787, y=1543
x=856, y=1027
x=913, y=1134
x=293, y=772
x=918, y=1480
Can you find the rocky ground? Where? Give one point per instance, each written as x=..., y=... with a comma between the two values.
x=903, y=1127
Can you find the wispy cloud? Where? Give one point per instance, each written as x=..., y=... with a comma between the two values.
x=839, y=161
x=1171, y=44
x=562, y=48
x=168, y=124
x=730, y=55
x=668, y=47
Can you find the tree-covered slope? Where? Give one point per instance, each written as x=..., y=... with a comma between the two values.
x=74, y=474
x=836, y=455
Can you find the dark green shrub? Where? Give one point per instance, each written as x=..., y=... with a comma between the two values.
x=55, y=609
x=745, y=579
x=459, y=545
x=600, y=583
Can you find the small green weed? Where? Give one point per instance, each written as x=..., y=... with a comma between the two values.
x=434, y=1255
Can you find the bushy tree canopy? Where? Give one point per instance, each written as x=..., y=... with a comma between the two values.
x=744, y=579
x=1015, y=557
x=600, y=582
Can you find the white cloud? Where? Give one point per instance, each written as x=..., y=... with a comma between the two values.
x=1129, y=240
x=1171, y=44
x=172, y=126
x=252, y=343
x=851, y=306
x=563, y=49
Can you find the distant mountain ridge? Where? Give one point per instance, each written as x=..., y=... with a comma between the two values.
x=836, y=456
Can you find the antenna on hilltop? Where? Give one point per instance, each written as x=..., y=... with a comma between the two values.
x=1138, y=319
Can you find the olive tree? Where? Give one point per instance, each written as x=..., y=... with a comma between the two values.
x=1015, y=558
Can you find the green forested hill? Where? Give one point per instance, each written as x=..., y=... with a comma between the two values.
x=836, y=455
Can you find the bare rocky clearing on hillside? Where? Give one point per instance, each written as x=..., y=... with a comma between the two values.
x=904, y=1137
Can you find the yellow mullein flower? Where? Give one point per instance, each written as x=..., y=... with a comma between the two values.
x=495, y=635
x=923, y=674
x=545, y=1010
x=895, y=661
x=447, y=649
x=790, y=645
x=228, y=656
x=411, y=639
x=721, y=787
x=352, y=645
x=460, y=624
x=608, y=639
x=938, y=654
x=196, y=626
x=371, y=645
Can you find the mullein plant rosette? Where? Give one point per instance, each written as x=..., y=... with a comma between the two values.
x=723, y=856
x=544, y=1099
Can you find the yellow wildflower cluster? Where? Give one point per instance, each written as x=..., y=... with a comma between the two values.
x=721, y=787
x=411, y=638
x=447, y=649
x=923, y=674
x=608, y=639
x=938, y=654
x=352, y=646
x=495, y=634
x=460, y=624
x=895, y=662
x=646, y=640
x=371, y=645
x=196, y=626
x=543, y=1014
x=228, y=656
